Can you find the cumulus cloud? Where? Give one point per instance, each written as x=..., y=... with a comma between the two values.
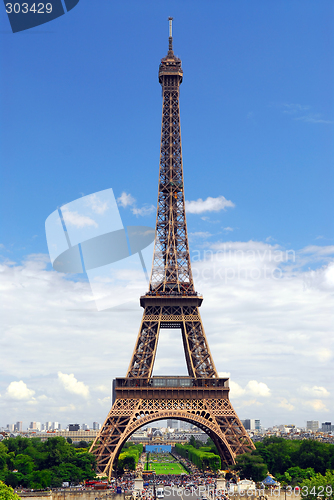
x=126, y=200
x=261, y=326
x=284, y=403
x=316, y=391
x=302, y=112
x=209, y=205
x=236, y=390
x=317, y=405
x=144, y=210
x=313, y=118
x=252, y=387
x=19, y=391
x=103, y=388
x=67, y=409
x=71, y=384
x=200, y=234
x=98, y=205
x=258, y=388
x=73, y=218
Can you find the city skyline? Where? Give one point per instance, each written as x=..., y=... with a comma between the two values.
x=256, y=121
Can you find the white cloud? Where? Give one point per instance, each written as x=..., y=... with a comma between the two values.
x=73, y=218
x=316, y=391
x=97, y=204
x=260, y=326
x=324, y=354
x=318, y=250
x=19, y=391
x=313, y=118
x=284, y=403
x=253, y=387
x=236, y=390
x=209, y=205
x=293, y=108
x=103, y=388
x=228, y=229
x=126, y=200
x=298, y=113
x=71, y=384
x=143, y=211
x=67, y=409
x=317, y=405
x=200, y=234
x=258, y=388
x=104, y=402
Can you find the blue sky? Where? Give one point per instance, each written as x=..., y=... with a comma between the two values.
x=81, y=112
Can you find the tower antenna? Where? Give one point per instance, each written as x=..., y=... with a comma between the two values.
x=170, y=47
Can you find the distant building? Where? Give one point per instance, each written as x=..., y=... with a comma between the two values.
x=18, y=427
x=173, y=424
x=55, y=426
x=249, y=424
x=326, y=426
x=96, y=426
x=74, y=427
x=48, y=426
x=312, y=425
x=85, y=427
x=257, y=425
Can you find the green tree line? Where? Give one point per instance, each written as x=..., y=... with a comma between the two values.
x=128, y=458
x=201, y=458
x=290, y=461
x=31, y=463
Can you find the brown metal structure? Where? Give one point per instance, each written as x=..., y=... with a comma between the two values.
x=202, y=398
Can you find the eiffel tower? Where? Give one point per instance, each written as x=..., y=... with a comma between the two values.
x=201, y=398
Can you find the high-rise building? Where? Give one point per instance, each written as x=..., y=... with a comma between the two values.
x=312, y=425
x=85, y=427
x=73, y=427
x=326, y=426
x=18, y=427
x=173, y=423
x=96, y=426
x=249, y=424
x=48, y=426
x=257, y=425
x=55, y=426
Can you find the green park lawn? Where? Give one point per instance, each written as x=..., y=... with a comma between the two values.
x=167, y=466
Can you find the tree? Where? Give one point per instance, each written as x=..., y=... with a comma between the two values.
x=7, y=493
x=250, y=466
x=318, y=486
x=24, y=464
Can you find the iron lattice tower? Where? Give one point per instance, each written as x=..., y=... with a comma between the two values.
x=201, y=398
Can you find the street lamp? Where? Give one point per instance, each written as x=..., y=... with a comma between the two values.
x=154, y=490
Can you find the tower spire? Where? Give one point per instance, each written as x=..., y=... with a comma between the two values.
x=170, y=40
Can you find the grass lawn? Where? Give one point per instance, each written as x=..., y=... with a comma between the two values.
x=165, y=464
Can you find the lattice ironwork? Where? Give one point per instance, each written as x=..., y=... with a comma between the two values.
x=215, y=416
x=171, y=302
